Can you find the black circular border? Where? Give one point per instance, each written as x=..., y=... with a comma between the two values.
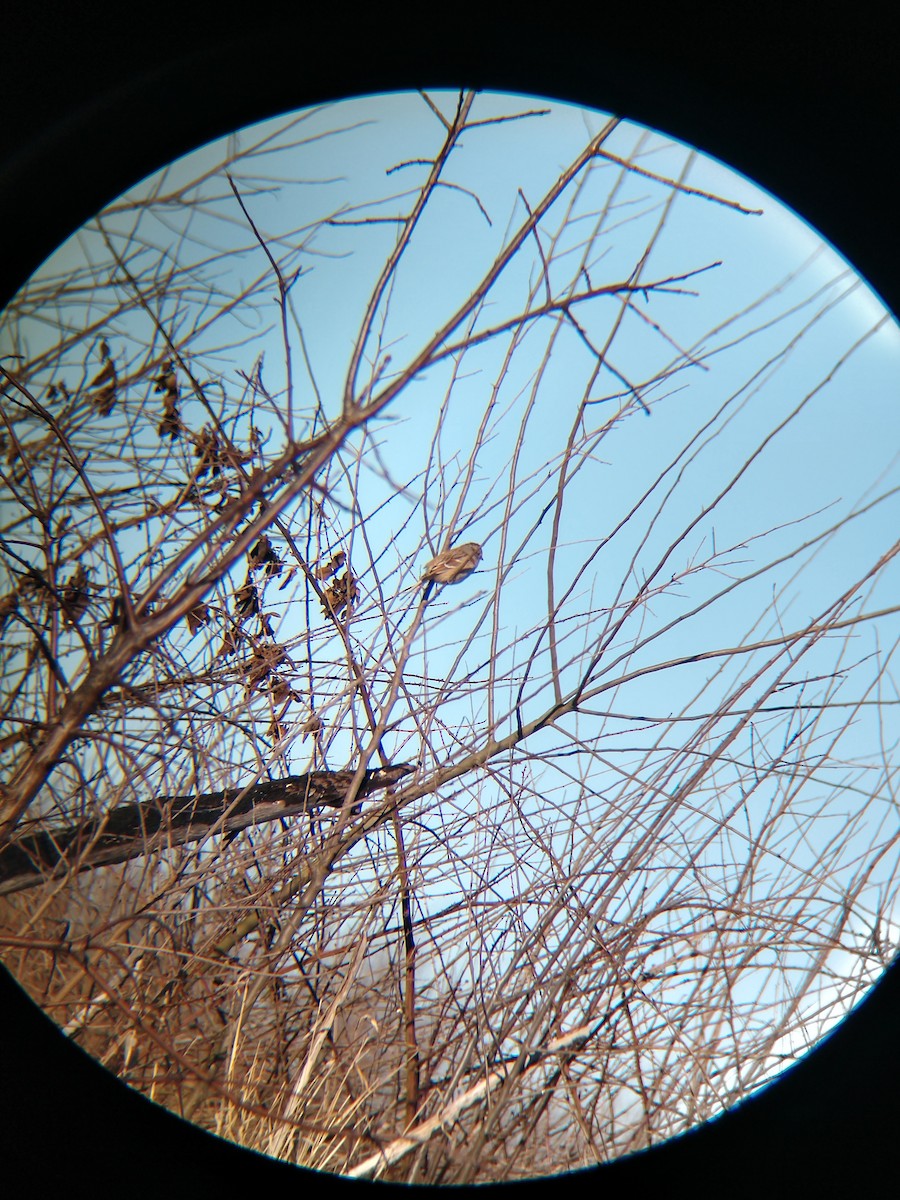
x=804, y=101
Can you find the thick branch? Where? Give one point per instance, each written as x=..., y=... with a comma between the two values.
x=565, y=1046
x=131, y=830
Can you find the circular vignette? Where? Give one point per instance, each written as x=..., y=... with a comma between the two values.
x=634, y=1166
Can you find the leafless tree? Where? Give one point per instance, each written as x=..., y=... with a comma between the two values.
x=392, y=878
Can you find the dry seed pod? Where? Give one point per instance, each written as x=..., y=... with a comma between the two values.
x=332, y=566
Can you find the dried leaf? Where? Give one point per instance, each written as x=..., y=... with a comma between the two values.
x=171, y=423
x=341, y=594
x=8, y=604
x=206, y=448
x=107, y=374
x=291, y=571
x=263, y=557
x=264, y=660
x=230, y=642
x=280, y=690
x=196, y=617
x=247, y=600
x=332, y=566
x=277, y=729
x=167, y=380
x=103, y=393
x=74, y=596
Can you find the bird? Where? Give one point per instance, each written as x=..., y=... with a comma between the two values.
x=453, y=564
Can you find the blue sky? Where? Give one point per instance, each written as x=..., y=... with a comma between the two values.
x=721, y=360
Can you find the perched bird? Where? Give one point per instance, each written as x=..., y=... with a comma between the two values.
x=453, y=564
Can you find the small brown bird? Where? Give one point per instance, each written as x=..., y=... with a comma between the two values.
x=453, y=564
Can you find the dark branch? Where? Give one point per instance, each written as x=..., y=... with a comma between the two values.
x=135, y=829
